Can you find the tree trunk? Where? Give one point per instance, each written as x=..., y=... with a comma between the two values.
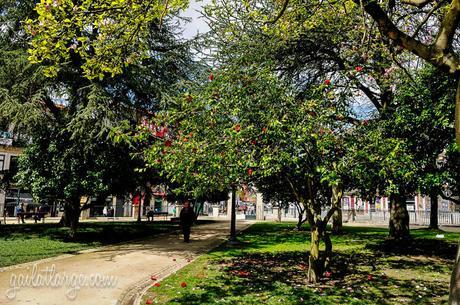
x=434, y=211
x=300, y=221
x=454, y=290
x=457, y=115
x=279, y=213
x=327, y=251
x=71, y=216
x=337, y=216
x=314, y=260
x=399, y=217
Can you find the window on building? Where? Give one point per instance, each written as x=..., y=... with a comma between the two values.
x=2, y=162
x=14, y=167
x=410, y=202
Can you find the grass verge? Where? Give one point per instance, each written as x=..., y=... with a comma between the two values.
x=270, y=264
x=30, y=242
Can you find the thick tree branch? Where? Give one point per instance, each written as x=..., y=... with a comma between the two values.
x=447, y=61
x=329, y=214
x=443, y=196
x=448, y=27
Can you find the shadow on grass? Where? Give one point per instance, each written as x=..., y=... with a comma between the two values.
x=88, y=233
x=366, y=268
x=281, y=279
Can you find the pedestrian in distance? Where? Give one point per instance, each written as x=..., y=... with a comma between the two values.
x=20, y=213
x=187, y=217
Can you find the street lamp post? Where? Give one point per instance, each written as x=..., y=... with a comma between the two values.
x=233, y=217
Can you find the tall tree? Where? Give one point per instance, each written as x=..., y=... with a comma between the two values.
x=69, y=118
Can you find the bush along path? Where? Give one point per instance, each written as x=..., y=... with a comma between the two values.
x=270, y=267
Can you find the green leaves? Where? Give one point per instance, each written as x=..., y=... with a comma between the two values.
x=102, y=37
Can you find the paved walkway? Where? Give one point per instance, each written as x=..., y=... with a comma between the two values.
x=110, y=275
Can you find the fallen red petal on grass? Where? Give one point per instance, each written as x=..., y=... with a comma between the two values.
x=153, y=278
x=327, y=82
x=243, y=273
x=370, y=277
x=157, y=285
x=183, y=284
x=149, y=302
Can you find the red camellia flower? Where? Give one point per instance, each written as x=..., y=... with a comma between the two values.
x=183, y=284
x=327, y=274
x=249, y=171
x=358, y=68
x=370, y=277
x=168, y=143
x=211, y=77
x=327, y=82
x=153, y=278
x=160, y=134
x=149, y=301
x=237, y=127
x=157, y=285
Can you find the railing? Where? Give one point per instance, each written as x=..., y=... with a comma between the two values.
x=415, y=217
x=376, y=216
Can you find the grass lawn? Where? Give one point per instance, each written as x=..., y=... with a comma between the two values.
x=270, y=268
x=29, y=242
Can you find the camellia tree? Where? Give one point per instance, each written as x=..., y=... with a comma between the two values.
x=243, y=126
x=310, y=44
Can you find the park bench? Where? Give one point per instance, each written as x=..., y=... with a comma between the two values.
x=152, y=215
x=35, y=215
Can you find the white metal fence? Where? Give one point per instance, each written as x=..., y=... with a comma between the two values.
x=415, y=217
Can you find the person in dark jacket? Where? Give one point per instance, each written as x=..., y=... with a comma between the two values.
x=187, y=217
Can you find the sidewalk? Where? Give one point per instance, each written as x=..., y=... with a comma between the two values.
x=110, y=275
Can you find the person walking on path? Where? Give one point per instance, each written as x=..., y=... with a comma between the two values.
x=187, y=217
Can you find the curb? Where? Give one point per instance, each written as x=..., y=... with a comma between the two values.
x=133, y=294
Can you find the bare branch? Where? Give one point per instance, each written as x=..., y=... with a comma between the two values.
x=417, y=3
x=280, y=14
x=427, y=16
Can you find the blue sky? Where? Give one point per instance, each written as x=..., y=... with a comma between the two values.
x=197, y=24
